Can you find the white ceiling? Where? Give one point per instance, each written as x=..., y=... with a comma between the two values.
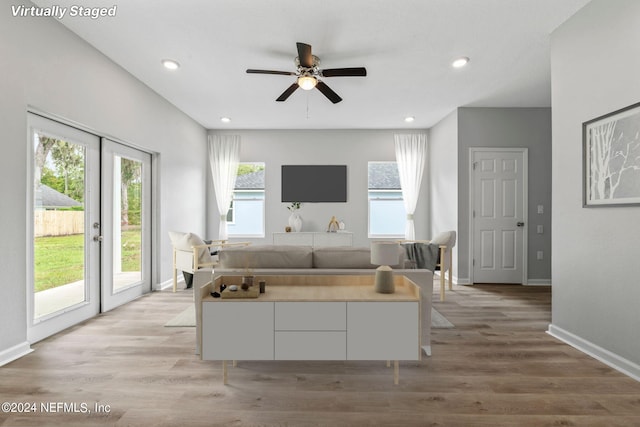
x=407, y=47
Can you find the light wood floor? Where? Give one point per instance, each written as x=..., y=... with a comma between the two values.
x=497, y=367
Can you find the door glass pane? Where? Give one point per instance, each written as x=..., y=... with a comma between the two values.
x=127, y=227
x=59, y=224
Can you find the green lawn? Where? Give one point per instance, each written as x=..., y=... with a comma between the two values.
x=60, y=260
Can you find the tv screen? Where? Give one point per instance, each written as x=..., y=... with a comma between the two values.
x=314, y=183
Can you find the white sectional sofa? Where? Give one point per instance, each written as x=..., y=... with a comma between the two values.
x=305, y=260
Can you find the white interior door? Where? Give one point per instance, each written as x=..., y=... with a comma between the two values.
x=498, y=216
x=126, y=224
x=63, y=281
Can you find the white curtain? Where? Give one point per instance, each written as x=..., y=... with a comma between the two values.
x=224, y=156
x=411, y=155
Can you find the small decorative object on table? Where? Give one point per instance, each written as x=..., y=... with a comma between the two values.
x=334, y=225
x=247, y=276
x=241, y=293
x=262, y=285
x=295, y=222
x=384, y=254
x=287, y=229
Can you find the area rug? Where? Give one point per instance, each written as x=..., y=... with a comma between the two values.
x=438, y=321
x=188, y=319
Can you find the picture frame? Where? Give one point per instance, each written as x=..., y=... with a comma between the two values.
x=611, y=159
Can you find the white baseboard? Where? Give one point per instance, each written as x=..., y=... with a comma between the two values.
x=538, y=282
x=166, y=284
x=616, y=362
x=531, y=282
x=15, y=352
x=456, y=280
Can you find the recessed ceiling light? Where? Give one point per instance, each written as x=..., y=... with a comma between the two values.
x=409, y=119
x=460, y=62
x=225, y=119
x=170, y=64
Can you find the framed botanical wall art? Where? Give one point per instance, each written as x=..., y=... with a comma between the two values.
x=611, y=151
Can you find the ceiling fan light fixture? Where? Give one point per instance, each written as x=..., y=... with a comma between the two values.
x=307, y=82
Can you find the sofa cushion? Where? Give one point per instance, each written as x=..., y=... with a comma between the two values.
x=342, y=257
x=266, y=256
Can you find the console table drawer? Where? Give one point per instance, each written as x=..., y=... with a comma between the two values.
x=384, y=330
x=316, y=345
x=311, y=316
x=237, y=330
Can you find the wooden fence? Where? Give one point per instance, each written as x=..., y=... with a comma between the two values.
x=58, y=223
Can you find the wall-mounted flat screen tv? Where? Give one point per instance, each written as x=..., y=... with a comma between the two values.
x=314, y=183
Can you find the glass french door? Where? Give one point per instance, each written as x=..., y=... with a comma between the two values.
x=64, y=281
x=91, y=226
x=126, y=224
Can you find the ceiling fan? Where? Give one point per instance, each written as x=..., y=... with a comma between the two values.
x=308, y=74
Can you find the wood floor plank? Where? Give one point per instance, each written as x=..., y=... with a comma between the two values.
x=496, y=367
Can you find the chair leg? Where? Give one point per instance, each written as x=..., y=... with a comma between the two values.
x=450, y=270
x=175, y=273
x=442, y=273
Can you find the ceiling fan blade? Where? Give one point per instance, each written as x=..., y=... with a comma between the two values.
x=281, y=73
x=287, y=93
x=304, y=55
x=328, y=92
x=345, y=72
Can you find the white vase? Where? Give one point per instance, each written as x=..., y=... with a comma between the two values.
x=295, y=222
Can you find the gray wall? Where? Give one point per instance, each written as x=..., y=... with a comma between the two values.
x=595, y=70
x=443, y=179
x=353, y=148
x=450, y=141
x=48, y=67
x=509, y=127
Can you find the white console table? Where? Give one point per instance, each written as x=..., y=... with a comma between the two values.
x=313, y=318
x=315, y=239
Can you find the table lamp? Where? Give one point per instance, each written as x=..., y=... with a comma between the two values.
x=384, y=254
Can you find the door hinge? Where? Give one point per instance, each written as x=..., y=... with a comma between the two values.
x=475, y=164
x=474, y=213
x=473, y=262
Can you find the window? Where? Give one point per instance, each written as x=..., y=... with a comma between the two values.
x=387, y=215
x=246, y=211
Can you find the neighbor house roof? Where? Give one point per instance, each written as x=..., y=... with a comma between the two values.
x=49, y=198
x=250, y=181
x=382, y=176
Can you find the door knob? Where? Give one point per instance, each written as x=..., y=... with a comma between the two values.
x=520, y=224
x=97, y=238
